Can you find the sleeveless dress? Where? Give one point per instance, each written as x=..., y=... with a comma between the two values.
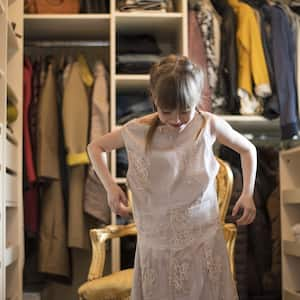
x=181, y=252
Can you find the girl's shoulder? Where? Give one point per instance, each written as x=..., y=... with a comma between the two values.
x=147, y=119
x=140, y=123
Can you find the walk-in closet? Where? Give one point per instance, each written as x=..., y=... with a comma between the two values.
x=73, y=70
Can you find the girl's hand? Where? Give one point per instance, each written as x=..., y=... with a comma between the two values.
x=245, y=203
x=118, y=201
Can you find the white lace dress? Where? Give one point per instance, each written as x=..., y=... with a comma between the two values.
x=181, y=253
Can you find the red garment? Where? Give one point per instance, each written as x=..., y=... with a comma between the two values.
x=31, y=190
x=30, y=171
x=198, y=56
x=31, y=211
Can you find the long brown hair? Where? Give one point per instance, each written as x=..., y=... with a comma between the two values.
x=175, y=84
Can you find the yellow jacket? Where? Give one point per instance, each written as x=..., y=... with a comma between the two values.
x=252, y=63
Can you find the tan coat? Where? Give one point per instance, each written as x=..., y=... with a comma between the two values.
x=75, y=123
x=53, y=251
x=47, y=131
x=95, y=199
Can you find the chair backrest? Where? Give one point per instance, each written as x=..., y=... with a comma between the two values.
x=224, y=183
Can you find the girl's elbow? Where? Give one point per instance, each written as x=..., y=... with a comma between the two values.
x=252, y=151
x=94, y=146
x=91, y=148
x=249, y=150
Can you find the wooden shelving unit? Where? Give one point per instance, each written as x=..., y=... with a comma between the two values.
x=290, y=215
x=11, y=209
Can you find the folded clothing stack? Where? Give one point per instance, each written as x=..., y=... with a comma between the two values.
x=132, y=105
x=140, y=5
x=136, y=53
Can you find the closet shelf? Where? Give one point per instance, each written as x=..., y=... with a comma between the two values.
x=291, y=152
x=128, y=81
x=121, y=180
x=291, y=295
x=145, y=14
x=10, y=2
x=291, y=248
x=67, y=27
x=148, y=22
x=11, y=138
x=11, y=193
x=11, y=204
x=11, y=95
x=252, y=124
x=12, y=40
x=11, y=154
x=11, y=255
x=291, y=196
x=2, y=9
x=1, y=73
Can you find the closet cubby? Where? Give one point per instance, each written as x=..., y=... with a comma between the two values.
x=290, y=215
x=168, y=40
x=178, y=6
x=67, y=27
x=170, y=32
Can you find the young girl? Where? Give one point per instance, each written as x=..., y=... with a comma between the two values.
x=181, y=253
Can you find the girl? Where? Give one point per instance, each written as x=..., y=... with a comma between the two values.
x=181, y=252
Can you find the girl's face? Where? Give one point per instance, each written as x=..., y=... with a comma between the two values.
x=176, y=119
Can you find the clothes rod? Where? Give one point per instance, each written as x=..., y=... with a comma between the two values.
x=66, y=44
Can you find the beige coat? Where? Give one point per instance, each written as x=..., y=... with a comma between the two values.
x=95, y=201
x=53, y=251
x=75, y=123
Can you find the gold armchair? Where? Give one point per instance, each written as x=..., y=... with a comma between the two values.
x=117, y=286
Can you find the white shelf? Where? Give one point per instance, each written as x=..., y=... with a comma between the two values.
x=291, y=196
x=11, y=204
x=128, y=81
x=2, y=10
x=148, y=22
x=121, y=180
x=291, y=248
x=11, y=155
x=11, y=193
x=252, y=123
x=11, y=138
x=67, y=27
x=11, y=95
x=12, y=40
x=11, y=255
x=290, y=152
x=151, y=15
x=291, y=295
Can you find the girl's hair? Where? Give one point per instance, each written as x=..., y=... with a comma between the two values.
x=175, y=84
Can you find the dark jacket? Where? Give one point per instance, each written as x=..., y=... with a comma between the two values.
x=282, y=52
x=228, y=69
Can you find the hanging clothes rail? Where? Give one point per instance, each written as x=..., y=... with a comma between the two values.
x=65, y=44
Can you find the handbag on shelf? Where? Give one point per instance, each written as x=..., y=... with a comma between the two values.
x=52, y=6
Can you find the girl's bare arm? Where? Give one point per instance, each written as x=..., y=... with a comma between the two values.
x=229, y=137
x=97, y=151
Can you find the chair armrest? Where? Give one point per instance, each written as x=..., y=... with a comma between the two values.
x=98, y=238
x=230, y=234
x=114, y=286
